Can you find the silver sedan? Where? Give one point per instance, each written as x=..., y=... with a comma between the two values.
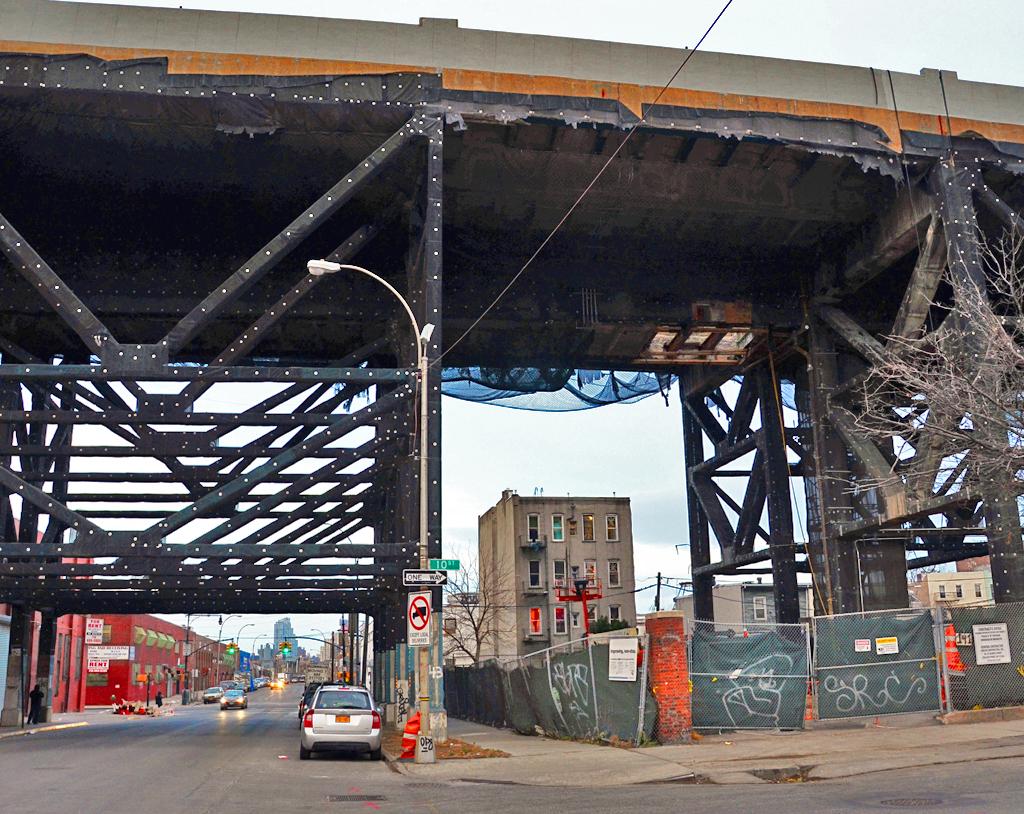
x=342, y=719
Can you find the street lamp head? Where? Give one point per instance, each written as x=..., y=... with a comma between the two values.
x=320, y=267
x=427, y=332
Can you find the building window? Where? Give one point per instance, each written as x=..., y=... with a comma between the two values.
x=611, y=527
x=614, y=613
x=558, y=572
x=613, y=574
x=590, y=571
x=534, y=573
x=533, y=526
x=535, y=621
x=959, y=591
x=760, y=609
x=588, y=528
x=977, y=590
x=575, y=619
x=942, y=592
x=557, y=528
x=560, y=627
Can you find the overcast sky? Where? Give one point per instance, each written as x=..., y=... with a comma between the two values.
x=635, y=450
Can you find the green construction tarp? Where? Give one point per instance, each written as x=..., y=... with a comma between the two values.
x=559, y=693
x=876, y=664
x=748, y=680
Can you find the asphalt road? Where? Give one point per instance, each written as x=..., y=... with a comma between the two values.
x=205, y=760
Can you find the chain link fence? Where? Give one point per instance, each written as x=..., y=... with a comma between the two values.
x=585, y=690
x=748, y=676
x=983, y=664
x=875, y=663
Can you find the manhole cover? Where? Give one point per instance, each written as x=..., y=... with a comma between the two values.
x=912, y=802
x=355, y=798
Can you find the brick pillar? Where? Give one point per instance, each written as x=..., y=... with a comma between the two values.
x=669, y=675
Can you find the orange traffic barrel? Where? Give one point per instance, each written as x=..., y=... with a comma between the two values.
x=412, y=731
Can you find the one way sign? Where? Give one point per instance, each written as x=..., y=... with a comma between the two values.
x=413, y=579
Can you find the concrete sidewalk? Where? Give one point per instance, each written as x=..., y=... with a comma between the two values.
x=742, y=757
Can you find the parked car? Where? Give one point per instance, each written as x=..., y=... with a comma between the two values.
x=307, y=697
x=234, y=699
x=211, y=695
x=341, y=718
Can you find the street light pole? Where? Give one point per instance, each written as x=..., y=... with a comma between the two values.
x=238, y=652
x=422, y=337
x=317, y=630
x=220, y=638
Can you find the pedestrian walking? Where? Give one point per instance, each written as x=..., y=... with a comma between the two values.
x=35, y=705
x=159, y=698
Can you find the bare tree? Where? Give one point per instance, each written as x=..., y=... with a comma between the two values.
x=948, y=407
x=482, y=606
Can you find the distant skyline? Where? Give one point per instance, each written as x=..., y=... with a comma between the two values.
x=636, y=450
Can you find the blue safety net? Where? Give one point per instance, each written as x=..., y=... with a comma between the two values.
x=551, y=389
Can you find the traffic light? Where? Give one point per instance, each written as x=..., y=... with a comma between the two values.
x=231, y=649
x=285, y=648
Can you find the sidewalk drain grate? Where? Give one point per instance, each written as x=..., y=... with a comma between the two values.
x=912, y=802
x=355, y=798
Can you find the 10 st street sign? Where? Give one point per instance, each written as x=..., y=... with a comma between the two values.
x=413, y=579
x=446, y=565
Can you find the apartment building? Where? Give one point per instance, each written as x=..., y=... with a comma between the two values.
x=953, y=588
x=746, y=603
x=530, y=547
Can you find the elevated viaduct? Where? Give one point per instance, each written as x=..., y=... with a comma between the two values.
x=166, y=175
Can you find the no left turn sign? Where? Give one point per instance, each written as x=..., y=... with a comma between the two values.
x=418, y=619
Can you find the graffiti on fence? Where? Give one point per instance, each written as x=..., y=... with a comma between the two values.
x=571, y=683
x=856, y=695
x=756, y=691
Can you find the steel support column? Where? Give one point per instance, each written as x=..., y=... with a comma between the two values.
x=780, y=508
x=44, y=663
x=700, y=537
x=954, y=185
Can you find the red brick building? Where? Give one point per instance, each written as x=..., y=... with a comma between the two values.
x=140, y=644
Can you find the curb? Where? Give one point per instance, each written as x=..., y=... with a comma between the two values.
x=41, y=729
x=982, y=716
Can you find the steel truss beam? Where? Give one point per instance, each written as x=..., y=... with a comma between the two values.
x=287, y=520
x=906, y=488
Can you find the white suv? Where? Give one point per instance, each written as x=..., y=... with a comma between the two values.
x=341, y=719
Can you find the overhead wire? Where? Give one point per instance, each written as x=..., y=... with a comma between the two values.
x=586, y=190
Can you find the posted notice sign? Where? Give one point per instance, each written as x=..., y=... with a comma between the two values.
x=887, y=646
x=97, y=666
x=622, y=655
x=113, y=652
x=991, y=644
x=417, y=618
x=94, y=630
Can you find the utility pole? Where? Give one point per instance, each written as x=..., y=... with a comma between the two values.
x=657, y=594
x=366, y=644
x=352, y=622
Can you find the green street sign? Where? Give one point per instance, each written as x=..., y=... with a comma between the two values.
x=445, y=565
